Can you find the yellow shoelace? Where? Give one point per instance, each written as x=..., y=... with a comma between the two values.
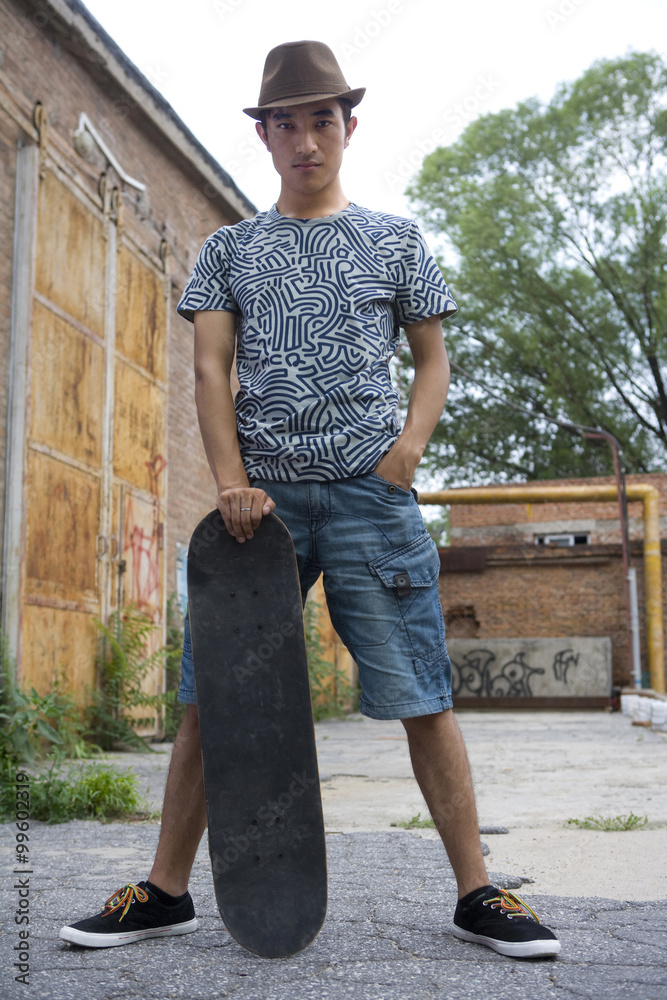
x=510, y=904
x=124, y=898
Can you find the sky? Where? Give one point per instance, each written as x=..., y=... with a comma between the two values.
x=429, y=68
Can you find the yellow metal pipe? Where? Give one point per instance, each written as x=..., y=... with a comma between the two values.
x=653, y=587
x=536, y=493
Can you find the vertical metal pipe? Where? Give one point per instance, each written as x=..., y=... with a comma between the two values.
x=653, y=589
x=631, y=577
x=107, y=528
x=632, y=623
x=25, y=229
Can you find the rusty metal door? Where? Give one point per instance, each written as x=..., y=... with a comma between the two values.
x=94, y=390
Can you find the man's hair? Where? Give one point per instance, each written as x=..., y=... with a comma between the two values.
x=345, y=106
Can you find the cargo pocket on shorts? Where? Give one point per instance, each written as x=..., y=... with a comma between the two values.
x=411, y=572
x=414, y=565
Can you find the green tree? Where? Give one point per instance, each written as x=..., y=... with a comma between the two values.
x=556, y=220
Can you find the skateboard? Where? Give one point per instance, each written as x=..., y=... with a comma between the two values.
x=265, y=826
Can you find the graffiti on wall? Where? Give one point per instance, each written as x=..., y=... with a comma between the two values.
x=506, y=668
x=155, y=469
x=142, y=554
x=480, y=673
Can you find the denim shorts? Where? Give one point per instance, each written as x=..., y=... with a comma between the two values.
x=380, y=572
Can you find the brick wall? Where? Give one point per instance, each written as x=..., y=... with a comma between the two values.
x=489, y=524
x=527, y=590
x=41, y=60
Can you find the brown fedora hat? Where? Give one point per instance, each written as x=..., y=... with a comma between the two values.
x=299, y=72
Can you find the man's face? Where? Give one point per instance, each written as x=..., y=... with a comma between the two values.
x=306, y=142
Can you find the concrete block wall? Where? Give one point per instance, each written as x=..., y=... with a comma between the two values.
x=575, y=667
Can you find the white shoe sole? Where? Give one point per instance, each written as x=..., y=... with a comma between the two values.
x=515, y=949
x=88, y=940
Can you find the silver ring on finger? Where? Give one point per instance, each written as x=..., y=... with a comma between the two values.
x=246, y=508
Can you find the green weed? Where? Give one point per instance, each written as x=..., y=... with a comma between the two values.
x=33, y=725
x=330, y=689
x=174, y=710
x=122, y=666
x=609, y=824
x=416, y=823
x=52, y=728
x=87, y=791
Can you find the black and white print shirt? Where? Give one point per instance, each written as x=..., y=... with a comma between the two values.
x=321, y=304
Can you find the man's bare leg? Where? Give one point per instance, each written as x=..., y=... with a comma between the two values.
x=441, y=767
x=183, y=812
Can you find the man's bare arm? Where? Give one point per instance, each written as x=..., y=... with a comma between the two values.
x=427, y=401
x=241, y=507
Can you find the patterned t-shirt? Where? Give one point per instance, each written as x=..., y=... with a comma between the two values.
x=321, y=303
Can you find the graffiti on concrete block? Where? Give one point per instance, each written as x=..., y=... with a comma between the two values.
x=481, y=673
x=503, y=668
x=563, y=661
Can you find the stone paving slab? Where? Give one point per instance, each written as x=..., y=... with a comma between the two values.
x=386, y=936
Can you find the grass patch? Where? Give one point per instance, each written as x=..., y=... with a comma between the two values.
x=416, y=823
x=610, y=824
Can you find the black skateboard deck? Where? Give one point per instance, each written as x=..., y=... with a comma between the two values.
x=265, y=825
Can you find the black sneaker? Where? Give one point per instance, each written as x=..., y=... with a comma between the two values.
x=132, y=914
x=502, y=921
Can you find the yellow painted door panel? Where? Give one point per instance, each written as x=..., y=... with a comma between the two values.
x=71, y=251
x=141, y=315
x=67, y=372
x=139, y=430
x=62, y=530
x=59, y=643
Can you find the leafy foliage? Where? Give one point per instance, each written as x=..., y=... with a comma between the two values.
x=330, y=689
x=34, y=725
x=90, y=791
x=123, y=666
x=436, y=522
x=558, y=218
x=174, y=710
x=36, y=728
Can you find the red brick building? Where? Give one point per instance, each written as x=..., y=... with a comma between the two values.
x=547, y=570
x=105, y=200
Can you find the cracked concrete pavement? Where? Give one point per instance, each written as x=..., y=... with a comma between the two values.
x=391, y=891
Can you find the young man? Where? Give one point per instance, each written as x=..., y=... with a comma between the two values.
x=322, y=287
